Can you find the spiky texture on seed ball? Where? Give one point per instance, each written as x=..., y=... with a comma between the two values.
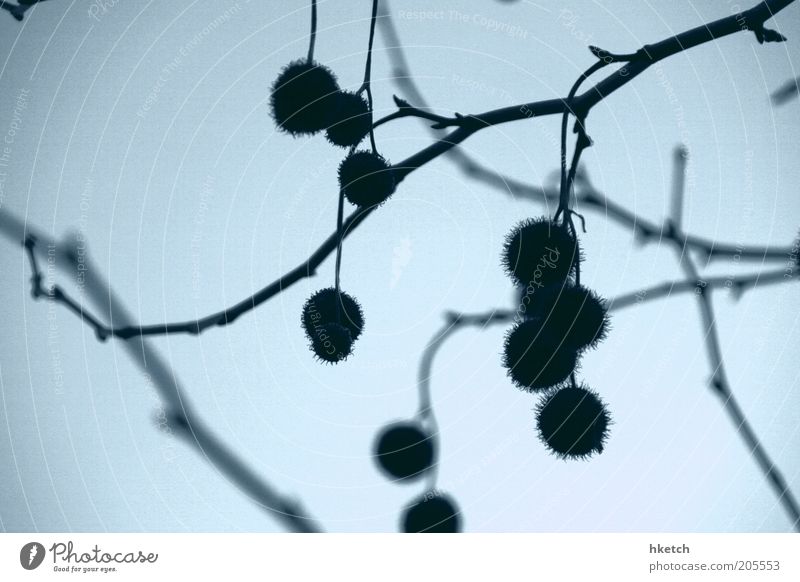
x=535, y=358
x=538, y=253
x=433, y=512
x=574, y=313
x=573, y=422
x=350, y=121
x=304, y=97
x=366, y=178
x=331, y=342
x=404, y=450
x=322, y=308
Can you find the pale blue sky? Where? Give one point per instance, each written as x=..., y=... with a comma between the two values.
x=147, y=128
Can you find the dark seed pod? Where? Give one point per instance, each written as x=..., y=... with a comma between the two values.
x=574, y=313
x=433, y=512
x=538, y=253
x=366, y=178
x=350, y=121
x=404, y=450
x=535, y=358
x=322, y=308
x=304, y=97
x=573, y=422
x=331, y=342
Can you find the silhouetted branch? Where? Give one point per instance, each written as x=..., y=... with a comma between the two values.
x=367, y=84
x=223, y=459
x=580, y=106
x=588, y=195
x=312, y=37
x=752, y=19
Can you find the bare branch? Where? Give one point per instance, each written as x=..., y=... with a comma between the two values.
x=788, y=91
x=223, y=459
x=719, y=379
x=580, y=106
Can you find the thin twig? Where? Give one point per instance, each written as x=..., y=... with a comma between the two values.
x=405, y=109
x=582, y=142
x=312, y=39
x=367, y=84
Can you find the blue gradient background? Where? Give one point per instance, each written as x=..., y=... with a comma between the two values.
x=190, y=201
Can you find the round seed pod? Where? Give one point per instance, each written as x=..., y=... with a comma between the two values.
x=535, y=358
x=573, y=422
x=433, y=512
x=322, y=308
x=331, y=342
x=350, y=121
x=574, y=313
x=303, y=97
x=404, y=450
x=366, y=178
x=538, y=253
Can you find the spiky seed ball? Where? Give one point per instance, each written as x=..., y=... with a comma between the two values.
x=538, y=253
x=304, y=97
x=322, y=308
x=350, y=121
x=404, y=450
x=433, y=512
x=574, y=313
x=331, y=342
x=535, y=358
x=573, y=422
x=366, y=178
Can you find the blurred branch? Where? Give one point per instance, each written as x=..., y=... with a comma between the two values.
x=786, y=92
x=719, y=380
x=66, y=256
x=18, y=10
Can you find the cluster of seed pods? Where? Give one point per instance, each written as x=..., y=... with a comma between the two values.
x=557, y=321
x=306, y=99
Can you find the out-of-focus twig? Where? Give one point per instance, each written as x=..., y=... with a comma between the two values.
x=284, y=509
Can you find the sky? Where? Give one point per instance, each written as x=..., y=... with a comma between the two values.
x=145, y=129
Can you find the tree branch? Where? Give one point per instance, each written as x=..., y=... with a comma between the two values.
x=287, y=511
x=719, y=379
x=580, y=105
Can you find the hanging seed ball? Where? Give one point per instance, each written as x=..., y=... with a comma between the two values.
x=574, y=313
x=538, y=253
x=573, y=422
x=304, y=97
x=321, y=308
x=331, y=342
x=350, y=121
x=535, y=358
x=366, y=178
x=434, y=512
x=404, y=450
